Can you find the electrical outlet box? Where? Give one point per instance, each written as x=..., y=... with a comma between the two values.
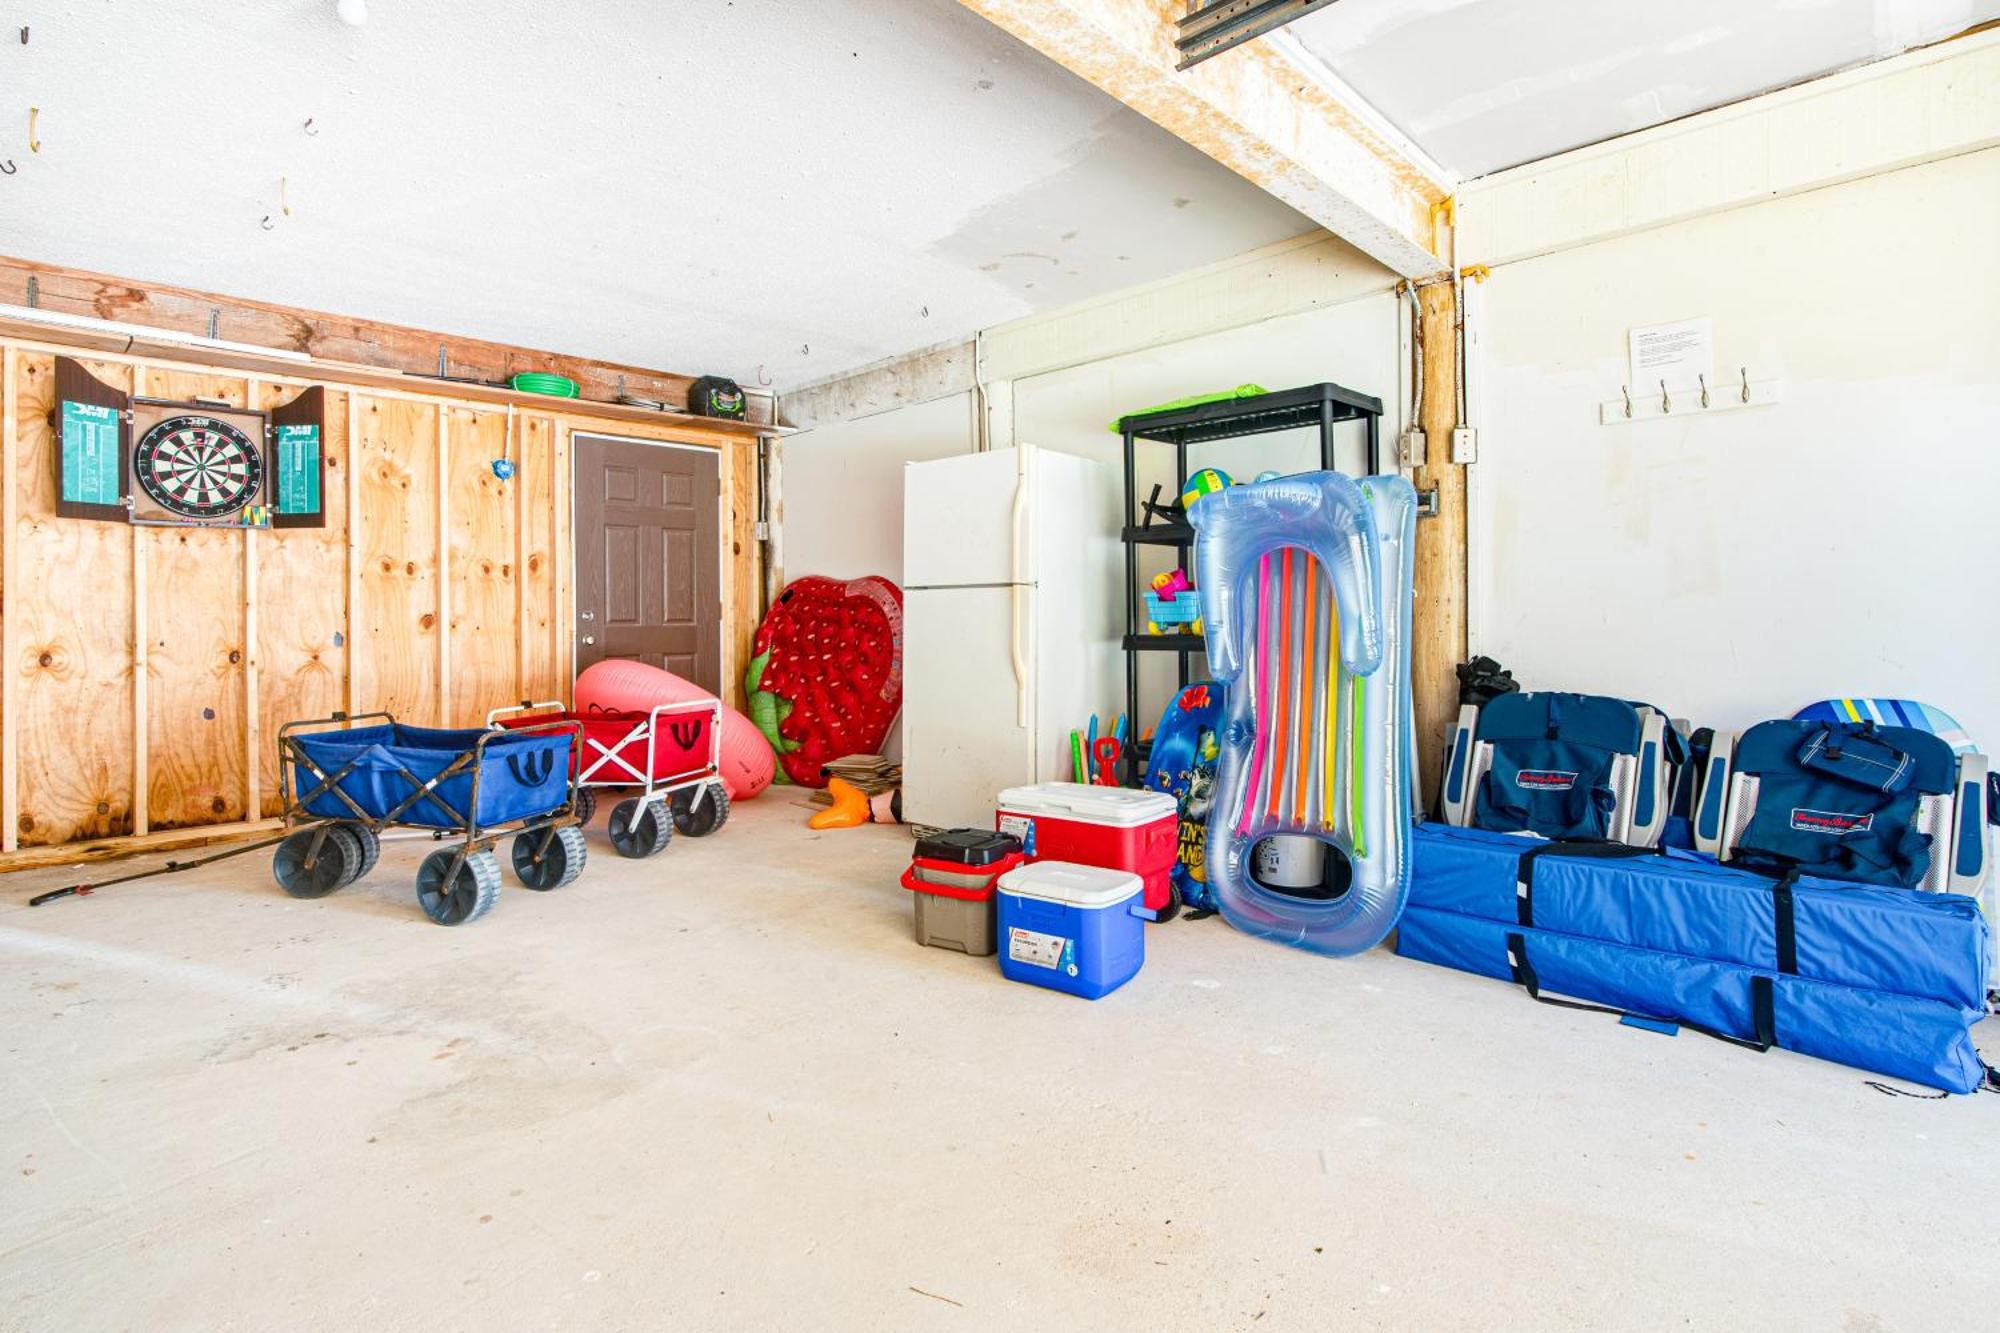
x=1410, y=447
x=1464, y=445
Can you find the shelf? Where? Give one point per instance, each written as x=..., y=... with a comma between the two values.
x=1287, y=409
x=1164, y=643
x=1161, y=534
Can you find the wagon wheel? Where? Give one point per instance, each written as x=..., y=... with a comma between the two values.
x=586, y=804
x=699, y=818
x=314, y=862
x=547, y=859
x=1173, y=904
x=469, y=895
x=640, y=828
x=370, y=844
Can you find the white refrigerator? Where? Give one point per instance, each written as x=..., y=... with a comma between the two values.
x=1012, y=624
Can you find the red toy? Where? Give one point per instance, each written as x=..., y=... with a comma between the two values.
x=828, y=666
x=619, y=685
x=672, y=754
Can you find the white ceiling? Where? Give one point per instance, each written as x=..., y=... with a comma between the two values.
x=770, y=189
x=1486, y=84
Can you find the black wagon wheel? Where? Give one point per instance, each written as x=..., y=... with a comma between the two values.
x=586, y=804
x=1173, y=905
x=640, y=828
x=452, y=899
x=700, y=811
x=547, y=859
x=314, y=862
x=370, y=844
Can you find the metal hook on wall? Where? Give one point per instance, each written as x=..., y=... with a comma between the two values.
x=267, y=224
x=8, y=168
x=1746, y=382
x=34, y=144
x=284, y=202
x=1666, y=403
x=1703, y=381
x=1626, y=389
x=309, y=127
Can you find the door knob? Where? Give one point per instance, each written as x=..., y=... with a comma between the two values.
x=590, y=638
x=588, y=615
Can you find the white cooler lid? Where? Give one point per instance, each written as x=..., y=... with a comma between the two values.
x=1071, y=885
x=1119, y=807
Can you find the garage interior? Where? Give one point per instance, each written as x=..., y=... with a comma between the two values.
x=983, y=664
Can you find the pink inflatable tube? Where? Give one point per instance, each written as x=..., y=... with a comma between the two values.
x=616, y=685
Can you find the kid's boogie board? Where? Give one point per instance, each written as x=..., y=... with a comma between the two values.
x=1891, y=713
x=1182, y=764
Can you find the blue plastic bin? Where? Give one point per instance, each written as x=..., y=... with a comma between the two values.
x=1076, y=929
x=522, y=777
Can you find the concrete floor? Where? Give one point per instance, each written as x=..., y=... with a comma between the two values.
x=724, y=1090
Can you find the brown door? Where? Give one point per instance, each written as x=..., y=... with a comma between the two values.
x=648, y=559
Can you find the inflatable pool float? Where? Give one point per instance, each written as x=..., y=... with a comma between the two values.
x=618, y=685
x=1306, y=593
x=826, y=676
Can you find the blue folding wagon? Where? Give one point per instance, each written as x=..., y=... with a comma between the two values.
x=345, y=783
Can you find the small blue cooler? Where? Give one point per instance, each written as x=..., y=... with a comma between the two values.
x=1071, y=928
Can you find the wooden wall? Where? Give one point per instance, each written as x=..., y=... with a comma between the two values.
x=144, y=672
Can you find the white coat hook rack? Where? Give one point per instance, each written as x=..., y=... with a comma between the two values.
x=1626, y=409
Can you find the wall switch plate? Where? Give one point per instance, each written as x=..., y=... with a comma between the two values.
x=1464, y=445
x=1410, y=445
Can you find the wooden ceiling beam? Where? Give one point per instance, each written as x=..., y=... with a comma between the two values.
x=1272, y=120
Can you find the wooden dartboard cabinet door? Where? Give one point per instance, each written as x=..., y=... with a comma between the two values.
x=298, y=461
x=92, y=423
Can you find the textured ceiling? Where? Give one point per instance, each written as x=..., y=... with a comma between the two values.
x=1486, y=84
x=776, y=191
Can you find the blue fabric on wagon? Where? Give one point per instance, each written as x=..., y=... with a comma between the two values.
x=1886, y=979
x=520, y=776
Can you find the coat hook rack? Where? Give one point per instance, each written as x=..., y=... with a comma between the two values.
x=1750, y=393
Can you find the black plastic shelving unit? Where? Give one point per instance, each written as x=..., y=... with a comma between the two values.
x=1320, y=406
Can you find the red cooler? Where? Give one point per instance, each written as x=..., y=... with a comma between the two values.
x=1116, y=828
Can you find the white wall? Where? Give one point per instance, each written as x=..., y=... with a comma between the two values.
x=1354, y=344
x=1733, y=568
x=843, y=515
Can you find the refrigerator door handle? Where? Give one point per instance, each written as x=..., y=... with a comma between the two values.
x=1016, y=650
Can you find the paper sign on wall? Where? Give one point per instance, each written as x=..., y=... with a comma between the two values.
x=1680, y=354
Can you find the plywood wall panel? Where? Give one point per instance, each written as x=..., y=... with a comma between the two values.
x=535, y=558
x=71, y=677
x=393, y=652
x=301, y=598
x=195, y=672
x=484, y=610
x=196, y=654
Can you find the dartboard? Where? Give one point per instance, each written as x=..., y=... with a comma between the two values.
x=198, y=467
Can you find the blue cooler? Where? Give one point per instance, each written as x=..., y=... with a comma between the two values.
x=1079, y=929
